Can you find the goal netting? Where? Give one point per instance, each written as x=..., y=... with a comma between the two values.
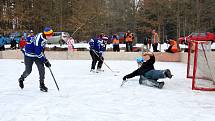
x=201, y=65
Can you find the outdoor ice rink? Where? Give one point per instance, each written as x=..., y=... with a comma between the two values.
x=85, y=96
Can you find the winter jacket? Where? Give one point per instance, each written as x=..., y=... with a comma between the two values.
x=22, y=43
x=129, y=37
x=145, y=67
x=36, y=47
x=174, y=47
x=115, y=41
x=155, y=38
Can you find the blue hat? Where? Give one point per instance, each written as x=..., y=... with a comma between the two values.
x=140, y=60
x=48, y=31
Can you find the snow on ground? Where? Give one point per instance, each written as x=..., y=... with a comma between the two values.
x=85, y=96
x=109, y=46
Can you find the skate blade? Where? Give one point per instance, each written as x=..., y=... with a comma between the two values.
x=42, y=90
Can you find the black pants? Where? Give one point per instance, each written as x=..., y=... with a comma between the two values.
x=129, y=46
x=28, y=67
x=95, y=57
x=2, y=48
x=155, y=46
x=116, y=48
x=13, y=44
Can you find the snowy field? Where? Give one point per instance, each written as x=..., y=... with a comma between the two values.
x=85, y=96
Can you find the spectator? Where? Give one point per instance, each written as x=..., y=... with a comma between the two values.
x=173, y=46
x=70, y=43
x=13, y=44
x=2, y=43
x=155, y=41
x=115, y=40
x=129, y=37
x=146, y=42
x=25, y=35
x=22, y=43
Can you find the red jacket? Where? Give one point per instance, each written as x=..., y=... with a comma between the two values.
x=22, y=43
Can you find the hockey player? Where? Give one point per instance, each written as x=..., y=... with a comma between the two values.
x=97, y=47
x=34, y=52
x=140, y=61
x=147, y=72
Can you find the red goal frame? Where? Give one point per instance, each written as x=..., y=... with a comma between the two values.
x=193, y=49
x=194, y=40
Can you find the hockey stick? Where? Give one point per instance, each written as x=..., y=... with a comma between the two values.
x=123, y=82
x=83, y=25
x=104, y=62
x=54, y=79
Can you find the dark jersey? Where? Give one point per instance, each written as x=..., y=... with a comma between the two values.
x=145, y=67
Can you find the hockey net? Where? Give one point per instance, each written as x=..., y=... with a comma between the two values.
x=201, y=65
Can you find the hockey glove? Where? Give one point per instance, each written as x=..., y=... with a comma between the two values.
x=100, y=53
x=47, y=63
x=124, y=78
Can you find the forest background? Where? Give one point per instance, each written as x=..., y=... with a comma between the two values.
x=171, y=18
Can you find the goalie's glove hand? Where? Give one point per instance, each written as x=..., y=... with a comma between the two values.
x=47, y=63
x=124, y=78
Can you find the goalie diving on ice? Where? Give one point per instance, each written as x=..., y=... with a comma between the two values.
x=148, y=75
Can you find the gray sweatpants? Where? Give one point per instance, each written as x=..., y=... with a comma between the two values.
x=28, y=67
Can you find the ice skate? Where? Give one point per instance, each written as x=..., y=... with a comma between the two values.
x=168, y=73
x=93, y=70
x=21, y=84
x=160, y=85
x=99, y=70
x=43, y=87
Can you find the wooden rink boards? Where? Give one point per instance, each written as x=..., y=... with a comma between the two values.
x=85, y=55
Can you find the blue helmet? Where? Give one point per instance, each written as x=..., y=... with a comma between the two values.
x=140, y=60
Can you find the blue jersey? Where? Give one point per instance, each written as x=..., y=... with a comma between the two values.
x=29, y=38
x=98, y=45
x=35, y=47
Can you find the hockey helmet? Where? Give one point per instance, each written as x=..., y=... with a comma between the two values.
x=140, y=60
x=48, y=31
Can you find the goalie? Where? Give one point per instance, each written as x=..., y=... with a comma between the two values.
x=147, y=72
